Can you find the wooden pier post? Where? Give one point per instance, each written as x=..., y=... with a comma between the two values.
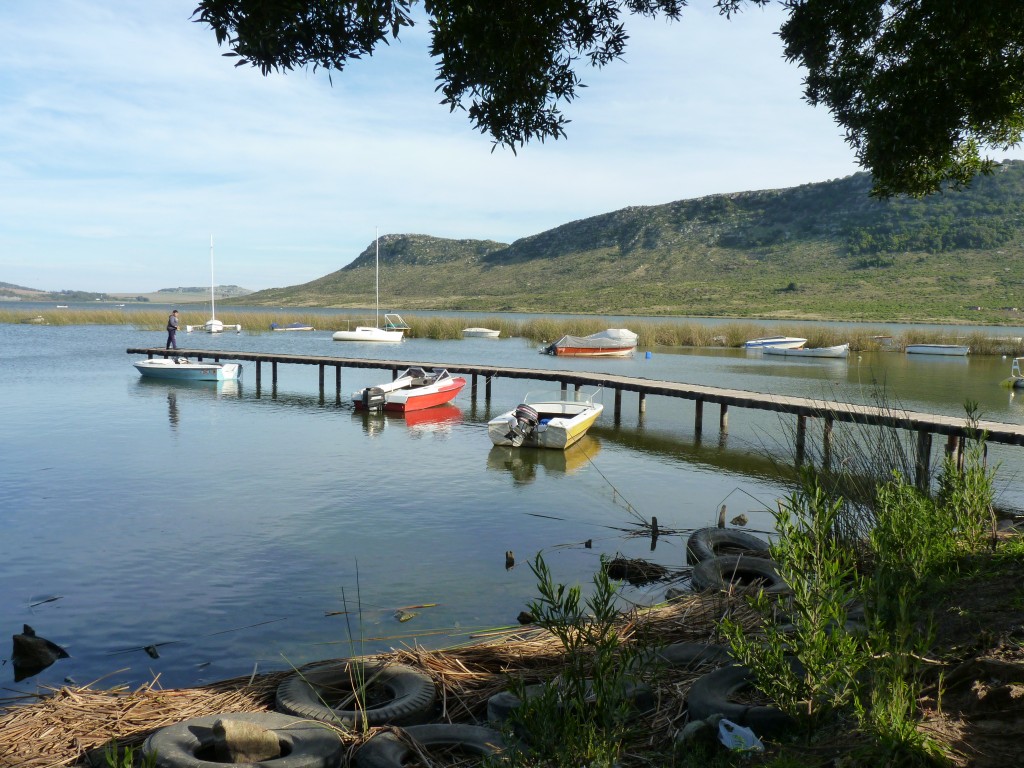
x=487, y=389
x=643, y=403
x=321, y=372
x=801, y=438
x=723, y=418
x=698, y=416
x=337, y=383
x=259, y=374
x=472, y=388
x=618, y=402
x=924, y=457
x=273, y=374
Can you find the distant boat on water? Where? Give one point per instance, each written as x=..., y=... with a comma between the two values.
x=213, y=325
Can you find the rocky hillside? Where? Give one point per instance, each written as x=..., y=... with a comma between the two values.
x=824, y=250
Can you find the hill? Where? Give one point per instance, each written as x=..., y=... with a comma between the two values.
x=817, y=251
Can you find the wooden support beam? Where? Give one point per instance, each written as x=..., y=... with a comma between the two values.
x=337, y=380
x=487, y=389
x=259, y=373
x=923, y=459
x=273, y=374
x=643, y=402
x=801, y=438
x=698, y=417
x=723, y=418
x=472, y=387
x=618, y=403
x=321, y=378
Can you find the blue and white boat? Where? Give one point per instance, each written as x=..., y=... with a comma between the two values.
x=183, y=369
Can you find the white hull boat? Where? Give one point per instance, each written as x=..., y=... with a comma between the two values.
x=547, y=420
x=414, y=390
x=839, y=351
x=949, y=350
x=213, y=325
x=777, y=342
x=183, y=369
x=612, y=342
x=480, y=333
x=394, y=326
x=292, y=327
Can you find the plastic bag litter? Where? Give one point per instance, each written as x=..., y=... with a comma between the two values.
x=738, y=738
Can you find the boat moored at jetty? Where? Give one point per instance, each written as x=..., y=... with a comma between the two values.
x=546, y=420
x=414, y=390
x=183, y=369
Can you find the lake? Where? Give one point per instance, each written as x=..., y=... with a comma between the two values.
x=228, y=530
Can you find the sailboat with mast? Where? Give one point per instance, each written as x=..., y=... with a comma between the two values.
x=394, y=326
x=213, y=325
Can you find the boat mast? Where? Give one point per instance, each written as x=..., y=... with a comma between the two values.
x=213, y=310
x=376, y=271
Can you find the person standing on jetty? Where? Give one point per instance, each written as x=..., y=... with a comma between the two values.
x=172, y=330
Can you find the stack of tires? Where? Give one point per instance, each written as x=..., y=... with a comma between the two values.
x=320, y=695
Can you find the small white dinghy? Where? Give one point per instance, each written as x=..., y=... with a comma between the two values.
x=183, y=369
x=835, y=352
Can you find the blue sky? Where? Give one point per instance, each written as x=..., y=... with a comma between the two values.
x=127, y=140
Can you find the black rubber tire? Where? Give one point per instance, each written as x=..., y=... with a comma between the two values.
x=706, y=543
x=304, y=744
x=693, y=655
x=409, y=694
x=722, y=571
x=387, y=750
x=709, y=695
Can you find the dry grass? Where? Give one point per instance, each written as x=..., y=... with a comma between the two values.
x=70, y=724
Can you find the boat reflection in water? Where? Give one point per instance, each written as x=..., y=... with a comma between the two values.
x=436, y=420
x=522, y=463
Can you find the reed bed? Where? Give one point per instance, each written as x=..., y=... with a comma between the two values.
x=542, y=330
x=73, y=725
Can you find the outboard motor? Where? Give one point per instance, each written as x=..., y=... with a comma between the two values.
x=526, y=420
x=374, y=399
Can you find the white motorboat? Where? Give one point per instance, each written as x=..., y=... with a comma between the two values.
x=413, y=390
x=183, y=369
x=949, y=350
x=546, y=420
x=213, y=325
x=612, y=342
x=481, y=333
x=778, y=342
x=834, y=352
x=394, y=326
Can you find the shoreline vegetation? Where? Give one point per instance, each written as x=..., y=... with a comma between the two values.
x=680, y=332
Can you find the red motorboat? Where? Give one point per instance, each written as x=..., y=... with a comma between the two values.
x=413, y=390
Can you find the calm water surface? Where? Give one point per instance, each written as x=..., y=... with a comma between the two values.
x=231, y=529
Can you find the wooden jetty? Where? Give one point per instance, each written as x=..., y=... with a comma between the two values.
x=924, y=425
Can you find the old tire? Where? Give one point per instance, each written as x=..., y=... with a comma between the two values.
x=397, y=694
x=693, y=655
x=710, y=695
x=388, y=750
x=723, y=571
x=706, y=543
x=189, y=744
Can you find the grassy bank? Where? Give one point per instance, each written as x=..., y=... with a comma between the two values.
x=661, y=333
